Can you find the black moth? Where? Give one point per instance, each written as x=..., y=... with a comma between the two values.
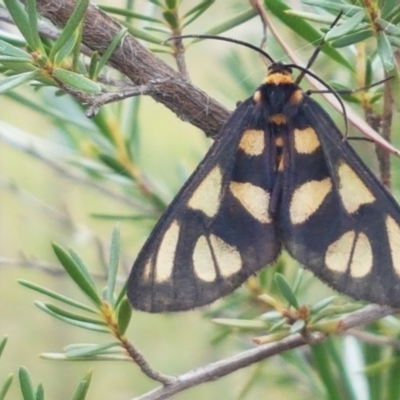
x=278, y=175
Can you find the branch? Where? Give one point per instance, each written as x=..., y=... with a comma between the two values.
x=141, y=66
x=224, y=367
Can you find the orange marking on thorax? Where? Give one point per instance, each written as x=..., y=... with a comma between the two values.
x=278, y=78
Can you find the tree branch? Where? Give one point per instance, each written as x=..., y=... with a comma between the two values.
x=141, y=66
x=218, y=369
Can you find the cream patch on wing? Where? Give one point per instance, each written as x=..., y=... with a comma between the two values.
x=307, y=198
x=252, y=142
x=306, y=140
x=344, y=254
x=165, y=257
x=253, y=198
x=206, y=197
x=393, y=233
x=353, y=191
x=215, y=255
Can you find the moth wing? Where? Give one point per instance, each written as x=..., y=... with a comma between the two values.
x=217, y=231
x=337, y=219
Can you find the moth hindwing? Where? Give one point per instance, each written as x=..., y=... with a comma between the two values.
x=278, y=175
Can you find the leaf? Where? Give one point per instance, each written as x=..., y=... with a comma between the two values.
x=304, y=30
x=21, y=19
x=385, y=52
x=79, y=324
x=352, y=38
x=76, y=81
x=14, y=81
x=26, y=385
x=232, y=22
x=90, y=350
x=10, y=50
x=124, y=316
x=83, y=387
x=67, y=314
x=113, y=264
x=3, y=343
x=69, y=29
x=6, y=385
x=33, y=25
x=286, y=290
x=76, y=274
x=40, y=392
x=56, y=296
x=110, y=50
x=128, y=14
x=348, y=25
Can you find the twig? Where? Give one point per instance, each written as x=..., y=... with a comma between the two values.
x=141, y=66
x=373, y=339
x=224, y=367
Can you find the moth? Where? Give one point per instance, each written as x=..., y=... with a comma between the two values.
x=279, y=175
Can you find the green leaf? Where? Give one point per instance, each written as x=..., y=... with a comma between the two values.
x=335, y=6
x=352, y=38
x=83, y=387
x=14, y=81
x=76, y=274
x=385, y=52
x=57, y=296
x=113, y=264
x=171, y=19
x=196, y=12
x=26, y=384
x=40, y=392
x=90, y=349
x=6, y=385
x=33, y=25
x=69, y=29
x=127, y=13
x=67, y=314
x=390, y=29
x=304, y=30
x=3, y=343
x=114, y=164
x=74, y=322
x=121, y=296
x=124, y=315
x=10, y=50
x=79, y=262
x=348, y=25
x=142, y=35
x=286, y=290
x=395, y=87
x=66, y=49
x=323, y=367
x=239, y=19
x=21, y=19
x=76, y=81
x=171, y=4
x=110, y=50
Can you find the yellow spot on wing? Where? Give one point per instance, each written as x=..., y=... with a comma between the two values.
x=253, y=198
x=393, y=233
x=344, y=254
x=307, y=199
x=206, y=197
x=353, y=191
x=227, y=258
x=203, y=261
x=363, y=259
x=252, y=142
x=166, y=253
x=306, y=140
